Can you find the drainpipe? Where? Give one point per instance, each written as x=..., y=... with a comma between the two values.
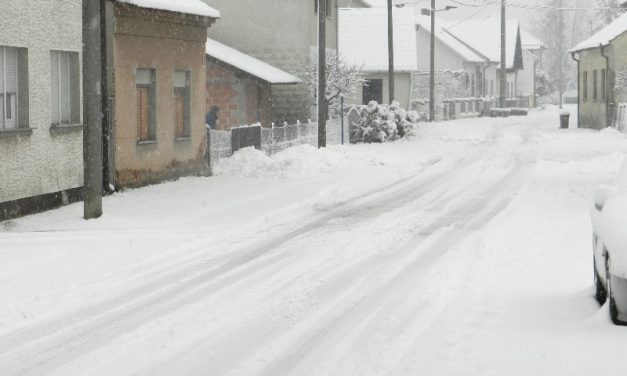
x=607, y=97
x=578, y=91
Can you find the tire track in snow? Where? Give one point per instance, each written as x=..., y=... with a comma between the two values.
x=51, y=343
x=344, y=283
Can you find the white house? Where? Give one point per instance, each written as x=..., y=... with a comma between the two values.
x=484, y=38
x=363, y=41
x=41, y=163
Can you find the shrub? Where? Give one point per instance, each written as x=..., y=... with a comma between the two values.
x=382, y=123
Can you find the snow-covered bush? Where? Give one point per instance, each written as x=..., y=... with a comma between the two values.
x=382, y=123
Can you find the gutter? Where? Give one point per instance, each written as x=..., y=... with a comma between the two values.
x=572, y=54
x=607, y=97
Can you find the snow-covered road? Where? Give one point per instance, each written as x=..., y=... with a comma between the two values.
x=463, y=252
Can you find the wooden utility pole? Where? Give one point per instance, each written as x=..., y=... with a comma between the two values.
x=391, y=51
x=503, y=71
x=560, y=53
x=322, y=74
x=432, y=66
x=92, y=106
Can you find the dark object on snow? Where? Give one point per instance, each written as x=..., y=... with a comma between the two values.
x=519, y=112
x=564, y=119
x=211, y=118
x=500, y=112
x=243, y=137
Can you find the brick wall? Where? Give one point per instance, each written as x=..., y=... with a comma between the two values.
x=242, y=99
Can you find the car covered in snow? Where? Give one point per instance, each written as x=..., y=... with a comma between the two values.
x=609, y=222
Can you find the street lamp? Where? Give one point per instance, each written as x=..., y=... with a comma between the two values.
x=431, y=12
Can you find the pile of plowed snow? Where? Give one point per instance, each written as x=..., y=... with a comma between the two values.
x=303, y=160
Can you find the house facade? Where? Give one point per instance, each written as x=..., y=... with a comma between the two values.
x=158, y=87
x=600, y=59
x=282, y=33
x=41, y=134
x=363, y=43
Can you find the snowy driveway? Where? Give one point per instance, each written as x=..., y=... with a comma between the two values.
x=463, y=252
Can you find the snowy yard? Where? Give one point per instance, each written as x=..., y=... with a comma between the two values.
x=465, y=251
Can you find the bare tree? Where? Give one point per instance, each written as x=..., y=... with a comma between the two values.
x=342, y=79
x=611, y=9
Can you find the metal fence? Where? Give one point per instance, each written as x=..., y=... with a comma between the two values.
x=279, y=138
x=621, y=117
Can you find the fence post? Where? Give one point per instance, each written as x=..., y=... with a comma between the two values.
x=342, y=116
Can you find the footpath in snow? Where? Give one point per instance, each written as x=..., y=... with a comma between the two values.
x=465, y=251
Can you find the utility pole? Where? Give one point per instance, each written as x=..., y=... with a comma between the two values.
x=432, y=66
x=106, y=107
x=391, y=51
x=92, y=105
x=560, y=50
x=503, y=71
x=322, y=74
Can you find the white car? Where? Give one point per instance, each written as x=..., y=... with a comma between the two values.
x=609, y=222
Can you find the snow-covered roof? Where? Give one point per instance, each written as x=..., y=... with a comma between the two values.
x=605, y=36
x=248, y=64
x=446, y=38
x=529, y=42
x=196, y=7
x=484, y=37
x=363, y=38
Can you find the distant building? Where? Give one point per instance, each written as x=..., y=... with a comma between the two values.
x=484, y=38
x=158, y=86
x=601, y=58
x=467, y=57
x=41, y=131
x=282, y=33
x=364, y=43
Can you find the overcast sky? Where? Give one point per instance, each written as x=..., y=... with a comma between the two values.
x=466, y=8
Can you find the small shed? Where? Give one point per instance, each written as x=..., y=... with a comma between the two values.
x=241, y=86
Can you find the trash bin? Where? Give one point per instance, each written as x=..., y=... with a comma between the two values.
x=564, y=119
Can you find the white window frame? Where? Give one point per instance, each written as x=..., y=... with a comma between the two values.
x=59, y=74
x=3, y=93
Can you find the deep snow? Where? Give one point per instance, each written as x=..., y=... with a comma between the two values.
x=466, y=251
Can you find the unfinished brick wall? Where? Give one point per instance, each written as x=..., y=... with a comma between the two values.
x=242, y=98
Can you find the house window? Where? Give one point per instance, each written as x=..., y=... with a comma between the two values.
x=472, y=85
x=182, y=93
x=595, y=94
x=145, y=94
x=64, y=88
x=603, y=87
x=13, y=88
x=491, y=87
x=584, y=85
x=373, y=91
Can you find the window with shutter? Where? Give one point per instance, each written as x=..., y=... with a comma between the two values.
x=143, y=113
x=182, y=95
x=145, y=87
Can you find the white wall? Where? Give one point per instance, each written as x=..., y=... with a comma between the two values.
x=45, y=161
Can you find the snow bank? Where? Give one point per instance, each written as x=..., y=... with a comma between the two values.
x=299, y=161
x=609, y=220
